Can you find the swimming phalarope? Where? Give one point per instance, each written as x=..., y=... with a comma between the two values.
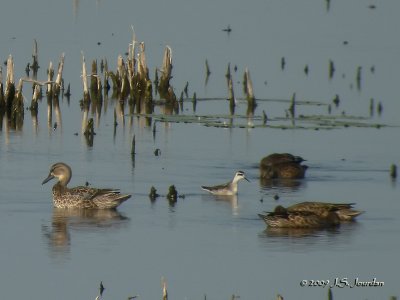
x=228, y=189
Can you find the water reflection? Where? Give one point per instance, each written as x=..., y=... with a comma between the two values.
x=306, y=239
x=292, y=184
x=232, y=200
x=58, y=234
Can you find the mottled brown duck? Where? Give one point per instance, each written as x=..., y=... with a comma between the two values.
x=80, y=196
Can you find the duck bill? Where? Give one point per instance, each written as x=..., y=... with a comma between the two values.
x=50, y=177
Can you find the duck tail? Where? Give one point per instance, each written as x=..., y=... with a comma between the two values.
x=348, y=214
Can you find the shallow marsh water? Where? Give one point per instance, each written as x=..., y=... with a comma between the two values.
x=202, y=244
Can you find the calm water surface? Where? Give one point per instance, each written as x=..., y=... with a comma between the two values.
x=204, y=245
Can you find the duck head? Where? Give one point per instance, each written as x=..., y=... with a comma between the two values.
x=61, y=171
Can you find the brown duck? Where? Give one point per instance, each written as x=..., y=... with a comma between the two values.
x=282, y=165
x=80, y=196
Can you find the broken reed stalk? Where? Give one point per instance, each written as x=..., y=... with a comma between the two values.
x=143, y=75
x=106, y=75
x=228, y=74
x=248, y=87
x=121, y=77
x=164, y=286
x=59, y=79
x=131, y=72
x=17, y=108
x=292, y=107
x=143, y=71
x=133, y=45
x=35, y=57
x=50, y=74
x=35, y=98
x=86, y=95
x=231, y=95
x=10, y=84
x=93, y=77
x=164, y=88
x=2, y=100
x=132, y=66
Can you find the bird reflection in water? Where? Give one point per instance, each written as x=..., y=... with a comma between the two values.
x=292, y=184
x=58, y=234
x=232, y=200
x=308, y=239
x=297, y=232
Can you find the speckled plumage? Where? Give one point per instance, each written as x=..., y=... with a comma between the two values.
x=310, y=215
x=344, y=211
x=276, y=158
x=283, y=166
x=81, y=196
x=282, y=218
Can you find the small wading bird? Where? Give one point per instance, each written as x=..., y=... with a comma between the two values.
x=310, y=215
x=80, y=196
x=227, y=189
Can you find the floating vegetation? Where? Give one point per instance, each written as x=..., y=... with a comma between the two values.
x=172, y=195
x=157, y=152
x=336, y=100
x=153, y=194
x=259, y=121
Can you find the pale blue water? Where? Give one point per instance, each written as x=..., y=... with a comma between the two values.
x=203, y=245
